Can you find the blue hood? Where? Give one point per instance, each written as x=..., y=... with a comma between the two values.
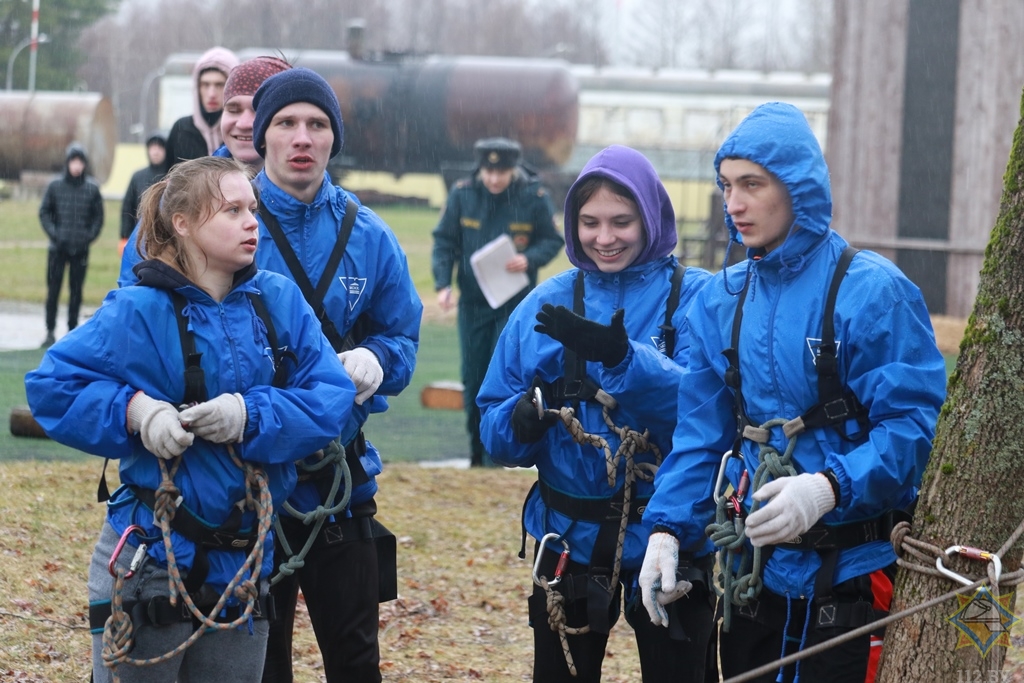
x=632, y=170
x=776, y=136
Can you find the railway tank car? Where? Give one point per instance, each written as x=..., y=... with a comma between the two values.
x=422, y=114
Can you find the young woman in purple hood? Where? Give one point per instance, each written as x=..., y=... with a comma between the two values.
x=615, y=326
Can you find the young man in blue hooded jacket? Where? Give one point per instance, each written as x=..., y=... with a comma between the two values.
x=820, y=514
x=371, y=315
x=620, y=233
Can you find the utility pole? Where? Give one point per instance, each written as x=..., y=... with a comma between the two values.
x=33, y=47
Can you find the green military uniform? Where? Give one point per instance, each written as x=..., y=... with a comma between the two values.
x=472, y=218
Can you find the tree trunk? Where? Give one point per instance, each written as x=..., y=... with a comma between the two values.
x=971, y=493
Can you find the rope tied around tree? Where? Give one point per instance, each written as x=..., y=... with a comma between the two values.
x=728, y=531
x=118, y=631
x=902, y=543
x=631, y=442
x=333, y=455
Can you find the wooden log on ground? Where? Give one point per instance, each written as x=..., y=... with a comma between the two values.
x=444, y=395
x=23, y=424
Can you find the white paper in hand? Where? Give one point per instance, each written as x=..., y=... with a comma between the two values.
x=488, y=263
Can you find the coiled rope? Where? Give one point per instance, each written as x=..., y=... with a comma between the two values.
x=118, y=631
x=631, y=442
x=333, y=455
x=728, y=531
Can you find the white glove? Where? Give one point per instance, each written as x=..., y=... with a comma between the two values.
x=794, y=505
x=658, y=585
x=364, y=370
x=158, y=424
x=219, y=420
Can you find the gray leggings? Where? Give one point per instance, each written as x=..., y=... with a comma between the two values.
x=217, y=657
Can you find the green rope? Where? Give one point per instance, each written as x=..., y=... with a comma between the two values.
x=333, y=456
x=728, y=531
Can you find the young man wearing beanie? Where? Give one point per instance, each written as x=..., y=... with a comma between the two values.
x=198, y=134
x=314, y=231
x=500, y=198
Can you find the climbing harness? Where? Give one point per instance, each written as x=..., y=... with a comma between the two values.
x=740, y=569
x=613, y=514
x=118, y=630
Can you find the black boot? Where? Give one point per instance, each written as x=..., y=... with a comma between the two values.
x=49, y=341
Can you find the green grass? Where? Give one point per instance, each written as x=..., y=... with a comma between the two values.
x=406, y=432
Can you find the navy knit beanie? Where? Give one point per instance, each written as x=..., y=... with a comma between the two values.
x=289, y=87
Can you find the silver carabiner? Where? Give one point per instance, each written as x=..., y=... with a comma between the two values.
x=563, y=560
x=972, y=554
x=721, y=476
x=538, y=401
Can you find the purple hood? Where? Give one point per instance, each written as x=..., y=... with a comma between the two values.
x=632, y=170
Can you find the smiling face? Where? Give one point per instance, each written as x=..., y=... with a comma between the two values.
x=610, y=230
x=211, y=90
x=236, y=129
x=226, y=241
x=757, y=202
x=298, y=147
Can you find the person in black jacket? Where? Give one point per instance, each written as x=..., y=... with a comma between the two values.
x=72, y=217
x=156, y=151
x=198, y=134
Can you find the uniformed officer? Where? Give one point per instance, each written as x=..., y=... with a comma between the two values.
x=501, y=197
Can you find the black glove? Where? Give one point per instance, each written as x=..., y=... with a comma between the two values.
x=590, y=340
x=526, y=426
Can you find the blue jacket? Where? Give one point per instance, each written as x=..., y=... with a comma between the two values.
x=644, y=383
x=886, y=353
x=80, y=394
x=373, y=278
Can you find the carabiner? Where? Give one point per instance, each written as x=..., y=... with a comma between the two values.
x=538, y=401
x=136, y=560
x=563, y=560
x=721, y=476
x=971, y=554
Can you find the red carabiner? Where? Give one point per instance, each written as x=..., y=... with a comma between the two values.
x=120, y=546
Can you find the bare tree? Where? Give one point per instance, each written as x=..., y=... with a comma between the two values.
x=970, y=494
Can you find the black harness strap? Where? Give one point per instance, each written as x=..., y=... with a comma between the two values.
x=836, y=404
x=195, y=380
x=315, y=297
x=668, y=330
x=280, y=371
x=158, y=611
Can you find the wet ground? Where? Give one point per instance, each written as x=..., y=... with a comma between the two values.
x=23, y=326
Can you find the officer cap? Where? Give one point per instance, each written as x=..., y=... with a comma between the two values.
x=497, y=152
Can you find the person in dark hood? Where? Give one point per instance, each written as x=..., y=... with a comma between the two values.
x=500, y=198
x=198, y=134
x=813, y=389
x=72, y=217
x=156, y=153
x=605, y=342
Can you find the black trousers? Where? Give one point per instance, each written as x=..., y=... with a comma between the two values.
x=663, y=659
x=77, y=263
x=754, y=642
x=340, y=584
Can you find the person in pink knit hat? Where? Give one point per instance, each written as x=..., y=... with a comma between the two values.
x=198, y=134
x=237, y=119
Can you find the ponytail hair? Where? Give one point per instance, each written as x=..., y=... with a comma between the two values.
x=192, y=190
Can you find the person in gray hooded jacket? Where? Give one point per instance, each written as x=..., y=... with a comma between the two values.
x=72, y=217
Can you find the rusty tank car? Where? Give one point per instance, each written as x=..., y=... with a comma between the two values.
x=36, y=128
x=422, y=114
